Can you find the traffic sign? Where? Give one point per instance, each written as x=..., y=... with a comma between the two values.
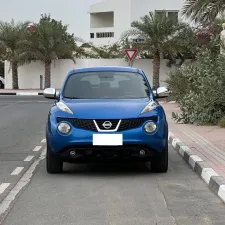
x=131, y=53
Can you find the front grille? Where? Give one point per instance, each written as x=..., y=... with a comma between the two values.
x=133, y=123
x=88, y=124
x=101, y=122
x=79, y=123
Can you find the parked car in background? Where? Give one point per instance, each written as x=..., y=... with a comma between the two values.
x=106, y=113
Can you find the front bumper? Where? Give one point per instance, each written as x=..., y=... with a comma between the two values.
x=81, y=141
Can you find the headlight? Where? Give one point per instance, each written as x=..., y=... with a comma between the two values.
x=63, y=107
x=64, y=128
x=150, y=127
x=152, y=105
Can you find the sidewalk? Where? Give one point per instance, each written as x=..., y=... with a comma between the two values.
x=208, y=142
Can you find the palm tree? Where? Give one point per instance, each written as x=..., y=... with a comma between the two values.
x=11, y=34
x=158, y=31
x=203, y=11
x=47, y=42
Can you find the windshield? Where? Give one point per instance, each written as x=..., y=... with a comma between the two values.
x=106, y=84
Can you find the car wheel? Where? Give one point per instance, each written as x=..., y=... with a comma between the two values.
x=53, y=163
x=160, y=165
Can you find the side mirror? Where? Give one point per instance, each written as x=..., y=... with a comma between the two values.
x=49, y=93
x=161, y=90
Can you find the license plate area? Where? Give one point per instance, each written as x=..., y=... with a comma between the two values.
x=107, y=139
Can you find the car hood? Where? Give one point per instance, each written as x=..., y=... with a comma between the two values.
x=106, y=108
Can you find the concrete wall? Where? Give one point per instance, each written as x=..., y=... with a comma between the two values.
x=29, y=75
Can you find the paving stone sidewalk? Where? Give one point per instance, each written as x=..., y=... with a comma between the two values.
x=208, y=142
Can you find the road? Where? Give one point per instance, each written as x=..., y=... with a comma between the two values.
x=95, y=194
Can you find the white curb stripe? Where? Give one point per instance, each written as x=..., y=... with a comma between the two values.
x=221, y=192
x=183, y=149
x=207, y=173
x=170, y=135
x=175, y=141
x=37, y=148
x=29, y=158
x=27, y=93
x=3, y=186
x=17, y=171
x=193, y=159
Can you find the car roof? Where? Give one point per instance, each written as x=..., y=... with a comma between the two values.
x=104, y=68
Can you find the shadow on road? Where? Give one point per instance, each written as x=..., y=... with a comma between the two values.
x=107, y=169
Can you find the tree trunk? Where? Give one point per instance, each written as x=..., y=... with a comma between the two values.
x=156, y=69
x=15, y=84
x=47, y=74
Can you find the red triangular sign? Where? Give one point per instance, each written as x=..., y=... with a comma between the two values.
x=131, y=53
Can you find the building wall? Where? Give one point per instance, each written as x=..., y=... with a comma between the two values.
x=140, y=8
x=125, y=12
x=122, y=13
x=105, y=19
x=29, y=75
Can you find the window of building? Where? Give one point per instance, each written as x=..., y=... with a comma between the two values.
x=105, y=35
x=172, y=14
x=92, y=35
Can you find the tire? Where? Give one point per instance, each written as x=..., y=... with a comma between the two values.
x=53, y=163
x=160, y=165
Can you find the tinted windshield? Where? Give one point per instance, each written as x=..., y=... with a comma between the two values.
x=107, y=84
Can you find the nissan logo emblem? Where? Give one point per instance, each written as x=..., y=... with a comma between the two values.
x=107, y=124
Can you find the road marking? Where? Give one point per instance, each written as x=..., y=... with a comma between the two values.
x=17, y=171
x=43, y=141
x=9, y=200
x=29, y=158
x=3, y=186
x=37, y=148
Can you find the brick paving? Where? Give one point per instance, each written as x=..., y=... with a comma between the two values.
x=208, y=142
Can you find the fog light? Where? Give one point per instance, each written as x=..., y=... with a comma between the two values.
x=142, y=152
x=64, y=128
x=73, y=153
x=150, y=127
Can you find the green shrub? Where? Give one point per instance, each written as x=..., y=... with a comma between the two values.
x=177, y=84
x=200, y=90
x=222, y=122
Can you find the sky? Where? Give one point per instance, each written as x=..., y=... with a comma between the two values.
x=72, y=12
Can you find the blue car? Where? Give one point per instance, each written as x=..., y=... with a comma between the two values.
x=106, y=113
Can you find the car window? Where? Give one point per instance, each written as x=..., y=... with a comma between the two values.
x=106, y=84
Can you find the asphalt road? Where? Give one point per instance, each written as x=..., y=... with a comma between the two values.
x=97, y=194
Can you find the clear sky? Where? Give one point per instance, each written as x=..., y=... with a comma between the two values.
x=72, y=12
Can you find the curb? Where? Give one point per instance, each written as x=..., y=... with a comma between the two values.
x=214, y=181
x=21, y=93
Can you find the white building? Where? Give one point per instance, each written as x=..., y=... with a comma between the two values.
x=110, y=18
